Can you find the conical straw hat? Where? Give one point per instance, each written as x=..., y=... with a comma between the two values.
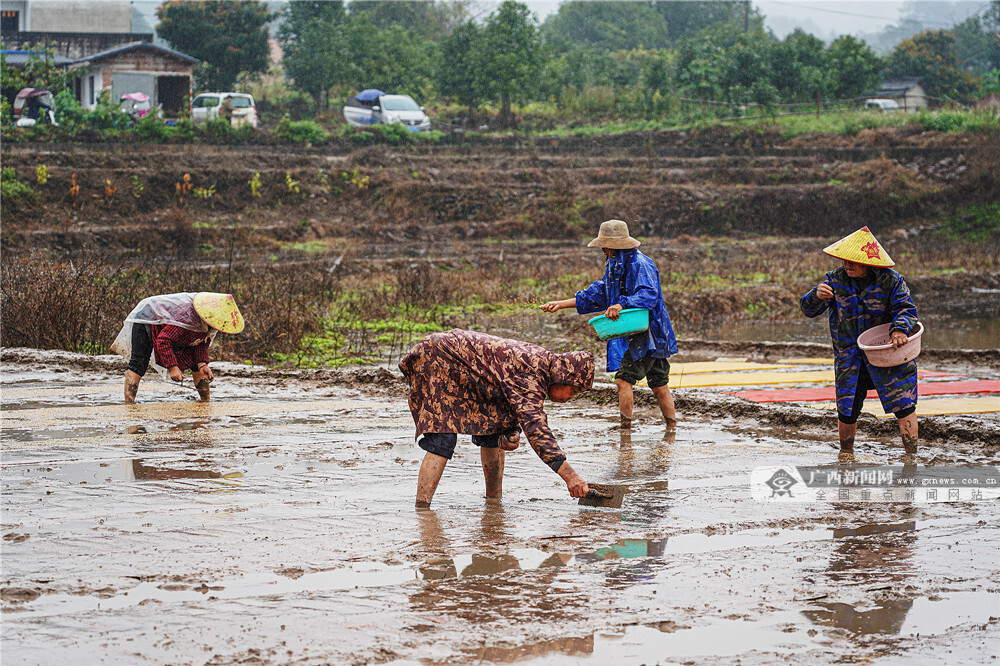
x=219, y=311
x=861, y=247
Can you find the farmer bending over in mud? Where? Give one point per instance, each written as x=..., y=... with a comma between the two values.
x=178, y=328
x=862, y=294
x=463, y=382
x=630, y=280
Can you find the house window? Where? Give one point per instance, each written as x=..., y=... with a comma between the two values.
x=90, y=87
x=10, y=21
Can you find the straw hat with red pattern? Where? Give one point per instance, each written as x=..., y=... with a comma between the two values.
x=219, y=311
x=861, y=247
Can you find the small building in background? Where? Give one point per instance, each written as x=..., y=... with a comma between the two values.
x=73, y=28
x=161, y=73
x=906, y=91
x=102, y=42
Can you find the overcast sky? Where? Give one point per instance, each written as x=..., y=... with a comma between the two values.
x=826, y=19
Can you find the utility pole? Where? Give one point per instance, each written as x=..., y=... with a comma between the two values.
x=746, y=15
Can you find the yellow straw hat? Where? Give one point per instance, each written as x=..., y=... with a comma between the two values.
x=613, y=235
x=861, y=247
x=219, y=311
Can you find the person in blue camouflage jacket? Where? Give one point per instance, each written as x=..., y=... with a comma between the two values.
x=863, y=293
x=630, y=280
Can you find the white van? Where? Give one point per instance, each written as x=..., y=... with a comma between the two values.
x=371, y=106
x=207, y=106
x=881, y=105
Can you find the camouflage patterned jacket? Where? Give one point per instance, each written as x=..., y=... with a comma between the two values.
x=880, y=297
x=476, y=384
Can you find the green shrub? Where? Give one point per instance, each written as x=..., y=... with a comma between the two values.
x=152, y=127
x=299, y=131
x=13, y=192
x=393, y=133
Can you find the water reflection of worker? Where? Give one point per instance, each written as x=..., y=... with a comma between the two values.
x=861, y=552
x=173, y=333
x=489, y=387
x=631, y=280
x=863, y=293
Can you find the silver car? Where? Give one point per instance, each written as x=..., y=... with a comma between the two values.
x=370, y=107
x=207, y=106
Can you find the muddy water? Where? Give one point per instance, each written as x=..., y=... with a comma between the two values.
x=277, y=525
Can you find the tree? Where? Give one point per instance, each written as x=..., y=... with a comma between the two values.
x=458, y=66
x=932, y=56
x=393, y=59
x=977, y=48
x=39, y=71
x=511, y=56
x=605, y=26
x=228, y=36
x=685, y=19
x=854, y=69
x=429, y=19
x=798, y=67
x=314, y=42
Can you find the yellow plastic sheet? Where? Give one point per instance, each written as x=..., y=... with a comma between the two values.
x=933, y=406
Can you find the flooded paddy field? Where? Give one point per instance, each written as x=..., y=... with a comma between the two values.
x=276, y=525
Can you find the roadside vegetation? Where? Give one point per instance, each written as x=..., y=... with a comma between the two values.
x=589, y=68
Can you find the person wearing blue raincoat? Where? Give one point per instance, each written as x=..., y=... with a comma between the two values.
x=630, y=280
x=863, y=293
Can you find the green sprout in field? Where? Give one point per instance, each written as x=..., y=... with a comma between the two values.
x=137, y=186
x=42, y=174
x=355, y=178
x=255, y=184
x=290, y=183
x=205, y=193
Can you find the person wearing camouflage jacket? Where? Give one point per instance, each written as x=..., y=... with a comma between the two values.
x=462, y=382
x=861, y=295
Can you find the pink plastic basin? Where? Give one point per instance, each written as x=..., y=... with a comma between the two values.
x=876, y=343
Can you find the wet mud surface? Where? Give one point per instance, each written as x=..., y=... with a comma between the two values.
x=276, y=525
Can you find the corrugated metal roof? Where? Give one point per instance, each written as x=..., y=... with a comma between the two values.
x=131, y=47
x=899, y=86
x=17, y=58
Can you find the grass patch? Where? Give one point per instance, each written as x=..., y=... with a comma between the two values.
x=975, y=224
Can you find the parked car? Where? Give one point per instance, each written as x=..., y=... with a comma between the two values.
x=370, y=107
x=208, y=106
x=881, y=105
x=34, y=105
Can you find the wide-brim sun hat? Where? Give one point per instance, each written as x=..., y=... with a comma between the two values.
x=219, y=311
x=613, y=235
x=861, y=247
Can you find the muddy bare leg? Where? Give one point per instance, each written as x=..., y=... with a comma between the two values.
x=908, y=431
x=666, y=400
x=131, y=386
x=431, y=470
x=625, y=402
x=493, y=460
x=202, y=383
x=847, y=431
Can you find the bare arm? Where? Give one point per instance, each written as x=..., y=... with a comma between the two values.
x=552, y=306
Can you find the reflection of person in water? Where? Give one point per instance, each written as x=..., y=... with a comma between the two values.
x=478, y=592
x=490, y=388
x=861, y=552
x=149, y=473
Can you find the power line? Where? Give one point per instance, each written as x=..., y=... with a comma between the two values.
x=837, y=11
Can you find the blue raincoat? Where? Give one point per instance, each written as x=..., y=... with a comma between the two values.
x=880, y=297
x=631, y=278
